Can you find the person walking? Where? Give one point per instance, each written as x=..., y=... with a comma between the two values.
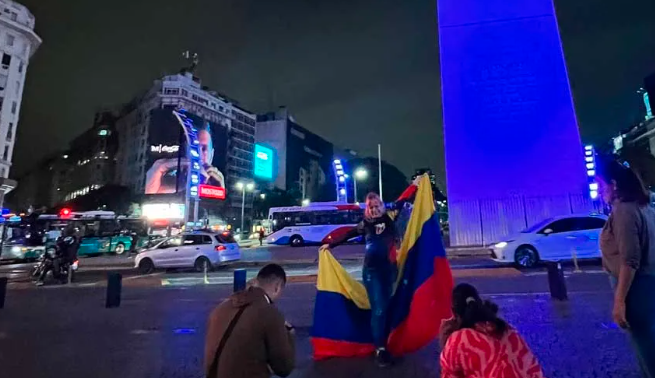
x=247, y=336
x=627, y=244
x=476, y=343
x=261, y=236
x=379, y=230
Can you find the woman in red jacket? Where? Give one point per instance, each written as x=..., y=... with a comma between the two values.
x=476, y=343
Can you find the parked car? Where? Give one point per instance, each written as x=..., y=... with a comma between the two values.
x=199, y=250
x=553, y=239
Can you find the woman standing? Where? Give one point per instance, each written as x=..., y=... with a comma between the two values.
x=627, y=243
x=378, y=228
x=477, y=343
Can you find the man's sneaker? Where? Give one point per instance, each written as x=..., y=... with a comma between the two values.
x=39, y=283
x=382, y=358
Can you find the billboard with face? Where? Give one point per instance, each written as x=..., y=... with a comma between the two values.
x=185, y=156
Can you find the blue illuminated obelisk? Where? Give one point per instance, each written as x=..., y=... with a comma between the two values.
x=513, y=150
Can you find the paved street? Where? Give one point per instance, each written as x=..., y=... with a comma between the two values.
x=158, y=331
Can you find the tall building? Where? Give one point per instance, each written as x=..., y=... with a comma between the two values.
x=303, y=160
x=18, y=42
x=90, y=159
x=513, y=150
x=87, y=165
x=151, y=140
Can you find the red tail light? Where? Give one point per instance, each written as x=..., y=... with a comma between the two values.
x=220, y=248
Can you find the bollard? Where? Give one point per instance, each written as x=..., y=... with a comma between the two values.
x=70, y=274
x=204, y=268
x=556, y=281
x=3, y=291
x=114, y=284
x=239, y=280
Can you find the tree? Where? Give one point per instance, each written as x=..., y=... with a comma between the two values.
x=394, y=182
x=275, y=198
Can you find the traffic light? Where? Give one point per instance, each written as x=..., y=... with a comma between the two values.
x=65, y=212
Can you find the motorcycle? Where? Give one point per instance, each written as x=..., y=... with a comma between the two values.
x=48, y=260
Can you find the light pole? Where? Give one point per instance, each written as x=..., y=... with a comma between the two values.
x=243, y=187
x=361, y=174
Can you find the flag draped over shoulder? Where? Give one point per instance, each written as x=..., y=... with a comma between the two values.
x=420, y=301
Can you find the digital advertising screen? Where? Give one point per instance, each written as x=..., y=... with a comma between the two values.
x=172, y=167
x=264, y=158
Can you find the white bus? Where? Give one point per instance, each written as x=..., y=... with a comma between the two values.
x=318, y=223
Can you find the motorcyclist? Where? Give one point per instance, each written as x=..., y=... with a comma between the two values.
x=66, y=248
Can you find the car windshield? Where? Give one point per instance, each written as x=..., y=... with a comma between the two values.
x=537, y=226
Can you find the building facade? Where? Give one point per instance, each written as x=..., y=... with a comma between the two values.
x=143, y=123
x=303, y=160
x=90, y=159
x=18, y=42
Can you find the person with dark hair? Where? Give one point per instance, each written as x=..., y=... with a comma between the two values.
x=627, y=244
x=477, y=343
x=247, y=336
x=379, y=230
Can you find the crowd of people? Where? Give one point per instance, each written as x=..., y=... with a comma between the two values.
x=248, y=336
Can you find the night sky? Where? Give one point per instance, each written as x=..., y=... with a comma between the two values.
x=358, y=72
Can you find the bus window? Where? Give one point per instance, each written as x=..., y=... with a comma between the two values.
x=302, y=219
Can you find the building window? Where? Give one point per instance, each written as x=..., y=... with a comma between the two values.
x=3, y=173
x=20, y=67
x=17, y=88
x=14, y=16
x=10, y=40
x=171, y=91
x=10, y=131
x=3, y=82
x=6, y=60
x=5, y=154
x=14, y=107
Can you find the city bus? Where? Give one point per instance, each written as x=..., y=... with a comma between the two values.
x=100, y=231
x=317, y=223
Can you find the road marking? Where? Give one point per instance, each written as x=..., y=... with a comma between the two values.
x=540, y=293
x=566, y=274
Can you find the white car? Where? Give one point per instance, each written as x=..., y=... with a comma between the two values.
x=553, y=239
x=198, y=250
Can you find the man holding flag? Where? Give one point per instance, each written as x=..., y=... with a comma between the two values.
x=403, y=316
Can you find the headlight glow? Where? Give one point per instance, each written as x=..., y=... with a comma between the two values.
x=501, y=245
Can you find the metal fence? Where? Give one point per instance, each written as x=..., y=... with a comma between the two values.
x=485, y=221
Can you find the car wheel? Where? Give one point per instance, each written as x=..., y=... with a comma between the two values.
x=146, y=266
x=296, y=241
x=201, y=263
x=120, y=249
x=526, y=256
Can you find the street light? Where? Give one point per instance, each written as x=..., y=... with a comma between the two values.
x=305, y=202
x=360, y=174
x=243, y=187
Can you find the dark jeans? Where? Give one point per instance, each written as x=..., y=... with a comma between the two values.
x=640, y=313
x=378, y=281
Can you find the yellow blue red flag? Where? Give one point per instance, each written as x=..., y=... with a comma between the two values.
x=420, y=301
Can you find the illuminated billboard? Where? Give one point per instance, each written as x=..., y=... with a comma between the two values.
x=185, y=152
x=264, y=157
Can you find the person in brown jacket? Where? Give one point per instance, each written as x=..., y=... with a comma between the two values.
x=247, y=335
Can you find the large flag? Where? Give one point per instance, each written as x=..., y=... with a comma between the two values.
x=420, y=301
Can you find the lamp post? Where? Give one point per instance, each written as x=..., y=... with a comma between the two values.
x=243, y=187
x=361, y=174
